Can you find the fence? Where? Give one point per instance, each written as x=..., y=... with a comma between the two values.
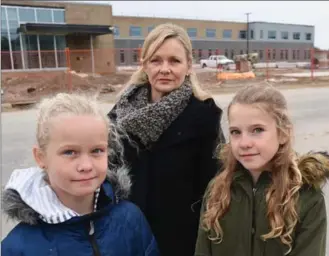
x=294, y=62
x=272, y=62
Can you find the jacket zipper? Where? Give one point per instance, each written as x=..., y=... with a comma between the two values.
x=253, y=225
x=92, y=240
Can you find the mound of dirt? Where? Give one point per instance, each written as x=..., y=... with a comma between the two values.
x=31, y=86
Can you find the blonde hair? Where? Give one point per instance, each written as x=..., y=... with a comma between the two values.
x=64, y=104
x=283, y=193
x=78, y=104
x=153, y=42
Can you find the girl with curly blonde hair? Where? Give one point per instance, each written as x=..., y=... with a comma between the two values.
x=267, y=200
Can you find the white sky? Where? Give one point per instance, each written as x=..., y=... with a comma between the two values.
x=296, y=12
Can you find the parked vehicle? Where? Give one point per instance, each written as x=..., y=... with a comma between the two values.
x=216, y=61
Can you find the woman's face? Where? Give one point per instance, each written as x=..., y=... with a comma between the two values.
x=167, y=68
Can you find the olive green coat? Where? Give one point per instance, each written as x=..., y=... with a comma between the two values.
x=246, y=220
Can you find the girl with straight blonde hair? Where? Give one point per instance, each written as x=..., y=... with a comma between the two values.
x=72, y=203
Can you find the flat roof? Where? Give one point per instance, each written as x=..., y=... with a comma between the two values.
x=278, y=23
x=205, y=20
x=64, y=29
x=175, y=18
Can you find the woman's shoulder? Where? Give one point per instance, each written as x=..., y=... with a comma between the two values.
x=206, y=109
x=208, y=103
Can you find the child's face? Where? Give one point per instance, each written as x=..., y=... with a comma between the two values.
x=253, y=136
x=76, y=155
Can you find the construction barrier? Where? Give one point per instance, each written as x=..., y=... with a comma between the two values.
x=235, y=76
x=294, y=62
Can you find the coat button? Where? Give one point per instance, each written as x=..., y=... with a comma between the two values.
x=179, y=133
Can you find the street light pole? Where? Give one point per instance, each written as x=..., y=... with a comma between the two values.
x=248, y=13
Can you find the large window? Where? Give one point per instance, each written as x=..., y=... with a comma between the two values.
x=227, y=33
x=26, y=15
x=60, y=49
x=44, y=16
x=20, y=51
x=47, y=51
x=296, y=36
x=243, y=34
x=122, y=56
x=5, y=50
x=135, y=31
x=116, y=31
x=135, y=56
x=308, y=36
x=31, y=53
x=192, y=32
x=59, y=16
x=285, y=35
x=271, y=34
x=12, y=13
x=210, y=32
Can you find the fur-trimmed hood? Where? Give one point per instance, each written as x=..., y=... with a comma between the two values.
x=314, y=167
x=27, y=197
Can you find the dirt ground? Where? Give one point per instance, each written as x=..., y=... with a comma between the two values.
x=26, y=87
x=31, y=87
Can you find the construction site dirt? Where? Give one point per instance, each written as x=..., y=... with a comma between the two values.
x=25, y=88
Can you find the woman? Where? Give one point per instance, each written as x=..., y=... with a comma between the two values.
x=173, y=129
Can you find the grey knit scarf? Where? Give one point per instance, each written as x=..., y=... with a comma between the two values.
x=136, y=115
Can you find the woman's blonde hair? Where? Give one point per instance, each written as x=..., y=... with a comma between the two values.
x=78, y=104
x=153, y=42
x=283, y=193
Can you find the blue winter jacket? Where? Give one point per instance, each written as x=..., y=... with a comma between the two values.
x=116, y=228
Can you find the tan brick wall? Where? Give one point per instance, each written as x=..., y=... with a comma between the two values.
x=84, y=14
x=88, y=14
x=124, y=22
x=94, y=15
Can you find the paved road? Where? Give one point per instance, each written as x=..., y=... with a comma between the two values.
x=309, y=109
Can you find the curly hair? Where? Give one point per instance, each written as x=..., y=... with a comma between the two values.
x=283, y=193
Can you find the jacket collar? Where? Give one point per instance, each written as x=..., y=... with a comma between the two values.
x=243, y=178
x=314, y=168
x=26, y=196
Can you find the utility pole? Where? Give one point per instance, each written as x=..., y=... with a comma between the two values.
x=248, y=13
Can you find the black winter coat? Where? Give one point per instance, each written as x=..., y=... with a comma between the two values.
x=170, y=179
